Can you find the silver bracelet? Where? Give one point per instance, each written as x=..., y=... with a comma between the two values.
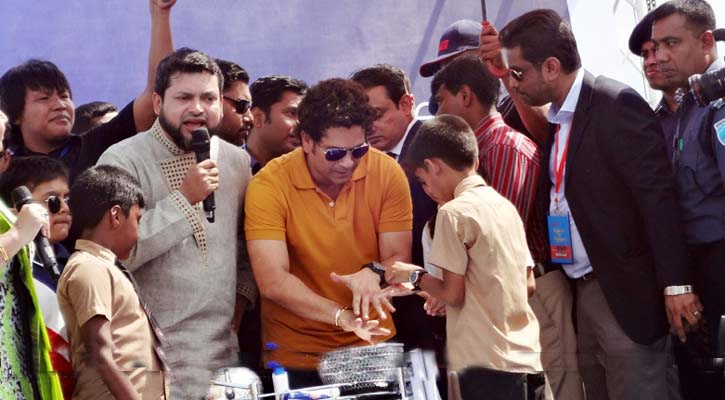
x=677, y=290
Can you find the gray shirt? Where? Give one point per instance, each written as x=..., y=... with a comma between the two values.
x=189, y=270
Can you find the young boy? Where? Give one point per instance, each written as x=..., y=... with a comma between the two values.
x=47, y=180
x=480, y=244
x=114, y=346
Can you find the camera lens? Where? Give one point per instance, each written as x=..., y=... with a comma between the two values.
x=708, y=87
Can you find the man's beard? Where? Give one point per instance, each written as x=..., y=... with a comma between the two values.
x=175, y=133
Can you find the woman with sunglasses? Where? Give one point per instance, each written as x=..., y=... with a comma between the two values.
x=47, y=180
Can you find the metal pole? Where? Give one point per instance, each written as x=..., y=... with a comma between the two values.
x=483, y=11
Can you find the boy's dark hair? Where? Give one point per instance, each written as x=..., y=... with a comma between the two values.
x=469, y=71
x=542, y=34
x=698, y=14
x=446, y=137
x=335, y=103
x=30, y=172
x=98, y=189
x=38, y=75
x=188, y=61
x=269, y=90
x=394, y=80
x=231, y=72
x=86, y=113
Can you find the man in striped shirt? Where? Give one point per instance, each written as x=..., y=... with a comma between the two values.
x=511, y=162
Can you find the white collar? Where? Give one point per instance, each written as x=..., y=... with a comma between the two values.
x=556, y=116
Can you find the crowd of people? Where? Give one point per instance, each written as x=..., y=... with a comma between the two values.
x=547, y=233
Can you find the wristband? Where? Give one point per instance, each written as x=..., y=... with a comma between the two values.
x=678, y=290
x=377, y=268
x=4, y=255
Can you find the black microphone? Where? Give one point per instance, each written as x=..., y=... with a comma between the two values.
x=20, y=197
x=200, y=145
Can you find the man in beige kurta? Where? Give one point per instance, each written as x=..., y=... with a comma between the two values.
x=189, y=270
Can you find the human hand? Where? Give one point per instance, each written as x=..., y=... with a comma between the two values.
x=161, y=4
x=365, y=330
x=433, y=306
x=489, y=50
x=683, y=306
x=200, y=181
x=365, y=288
x=399, y=273
x=32, y=218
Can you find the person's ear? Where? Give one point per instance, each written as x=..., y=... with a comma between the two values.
x=407, y=103
x=551, y=69
x=114, y=215
x=708, y=41
x=258, y=117
x=156, y=100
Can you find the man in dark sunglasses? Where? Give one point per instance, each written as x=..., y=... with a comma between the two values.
x=236, y=102
x=322, y=224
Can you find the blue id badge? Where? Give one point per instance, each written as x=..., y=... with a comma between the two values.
x=560, y=239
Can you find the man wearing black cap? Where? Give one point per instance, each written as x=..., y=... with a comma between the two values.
x=641, y=44
x=682, y=31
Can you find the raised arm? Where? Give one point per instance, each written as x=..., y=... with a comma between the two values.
x=161, y=46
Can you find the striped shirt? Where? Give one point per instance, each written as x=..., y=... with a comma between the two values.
x=510, y=163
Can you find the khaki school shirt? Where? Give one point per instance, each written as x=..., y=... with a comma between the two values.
x=480, y=235
x=92, y=285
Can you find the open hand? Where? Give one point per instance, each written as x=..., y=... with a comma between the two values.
x=365, y=288
x=365, y=330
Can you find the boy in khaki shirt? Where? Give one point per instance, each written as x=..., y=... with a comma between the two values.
x=480, y=244
x=114, y=348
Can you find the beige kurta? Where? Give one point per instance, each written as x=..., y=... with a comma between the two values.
x=188, y=269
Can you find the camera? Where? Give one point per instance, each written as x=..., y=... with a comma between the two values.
x=708, y=87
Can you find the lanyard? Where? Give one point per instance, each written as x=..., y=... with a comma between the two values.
x=559, y=169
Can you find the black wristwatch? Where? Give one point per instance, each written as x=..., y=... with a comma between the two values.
x=378, y=269
x=415, y=278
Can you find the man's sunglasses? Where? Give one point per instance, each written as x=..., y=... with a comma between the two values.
x=240, y=105
x=518, y=75
x=54, y=203
x=337, y=153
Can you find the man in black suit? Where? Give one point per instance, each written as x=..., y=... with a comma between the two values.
x=614, y=222
x=388, y=90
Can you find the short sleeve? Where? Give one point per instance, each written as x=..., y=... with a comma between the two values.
x=265, y=210
x=448, y=251
x=90, y=292
x=397, y=208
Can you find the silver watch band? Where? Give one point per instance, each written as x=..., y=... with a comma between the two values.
x=677, y=290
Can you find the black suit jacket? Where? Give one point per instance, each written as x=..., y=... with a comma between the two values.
x=423, y=206
x=414, y=327
x=622, y=196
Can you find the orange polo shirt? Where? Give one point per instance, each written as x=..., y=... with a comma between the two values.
x=323, y=236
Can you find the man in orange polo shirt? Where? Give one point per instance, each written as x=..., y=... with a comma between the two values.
x=314, y=218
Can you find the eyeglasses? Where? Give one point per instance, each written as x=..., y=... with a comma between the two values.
x=240, y=105
x=337, y=153
x=53, y=203
x=518, y=75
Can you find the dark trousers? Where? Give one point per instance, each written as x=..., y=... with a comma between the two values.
x=700, y=376
x=477, y=383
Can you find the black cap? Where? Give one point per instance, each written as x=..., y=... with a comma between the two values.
x=462, y=35
x=641, y=34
